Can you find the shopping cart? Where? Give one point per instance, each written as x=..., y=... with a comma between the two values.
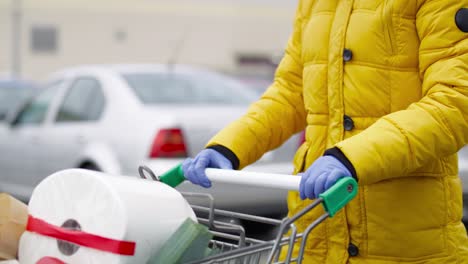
x=230, y=243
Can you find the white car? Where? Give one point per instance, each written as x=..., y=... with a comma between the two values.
x=114, y=118
x=463, y=172
x=14, y=92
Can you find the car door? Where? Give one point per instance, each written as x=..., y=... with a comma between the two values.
x=19, y=143
x=73, y=126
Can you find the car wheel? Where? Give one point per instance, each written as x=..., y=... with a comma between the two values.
x=90, y=166
x=465, y=215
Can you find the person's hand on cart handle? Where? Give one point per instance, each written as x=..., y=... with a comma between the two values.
x=194, y=169
x=320, y=176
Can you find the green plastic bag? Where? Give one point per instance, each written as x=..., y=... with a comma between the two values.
x=188, y=243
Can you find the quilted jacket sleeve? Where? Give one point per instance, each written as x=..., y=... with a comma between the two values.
x=437, y=125
x=277, y=115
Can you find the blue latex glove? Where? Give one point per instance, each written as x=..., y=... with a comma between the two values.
x=319, y=177
x=194, y=169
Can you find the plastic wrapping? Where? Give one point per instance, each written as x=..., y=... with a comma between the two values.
x=120, y=208
x=13, y=217
x=11, y=261
x=188, y=243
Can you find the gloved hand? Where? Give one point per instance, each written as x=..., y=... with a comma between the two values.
x=194, y=169
x=319, y=177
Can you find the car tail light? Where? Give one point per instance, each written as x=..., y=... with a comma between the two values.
x=169, y=143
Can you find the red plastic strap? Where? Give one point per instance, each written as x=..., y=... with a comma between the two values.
x=50, y=260
x=81, y=238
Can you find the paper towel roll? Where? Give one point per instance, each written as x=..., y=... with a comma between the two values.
x=114, y=207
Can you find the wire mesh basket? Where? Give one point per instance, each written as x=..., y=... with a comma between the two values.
x=231, y=245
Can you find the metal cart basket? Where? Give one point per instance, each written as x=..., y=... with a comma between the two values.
x=230, y=243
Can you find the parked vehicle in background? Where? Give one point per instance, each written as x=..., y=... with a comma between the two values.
x=463, y=172
x=114, y=118
x=257, y=84
x=13, y=93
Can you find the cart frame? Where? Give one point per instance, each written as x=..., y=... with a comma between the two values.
x=230, y=242
x=242, y=249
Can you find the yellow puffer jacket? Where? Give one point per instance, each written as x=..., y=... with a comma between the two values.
x=385, y=81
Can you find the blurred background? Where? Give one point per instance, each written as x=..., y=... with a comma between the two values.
x=114, y=84
x=227, y=35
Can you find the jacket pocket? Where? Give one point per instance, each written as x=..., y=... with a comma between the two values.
x=406, y=218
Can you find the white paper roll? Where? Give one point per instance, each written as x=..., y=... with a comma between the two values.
x=116, y=207
x=11, y=261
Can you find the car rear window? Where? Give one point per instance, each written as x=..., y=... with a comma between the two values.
x=171, y=88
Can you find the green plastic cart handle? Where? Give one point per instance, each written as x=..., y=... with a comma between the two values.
x=334, y=198
x=173, y=177
x=339, y=195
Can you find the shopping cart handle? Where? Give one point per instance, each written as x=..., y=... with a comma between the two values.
x=334, y=198
x=175, y=176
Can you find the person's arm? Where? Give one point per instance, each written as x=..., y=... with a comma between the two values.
x=277, y=115
x=437, y=125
